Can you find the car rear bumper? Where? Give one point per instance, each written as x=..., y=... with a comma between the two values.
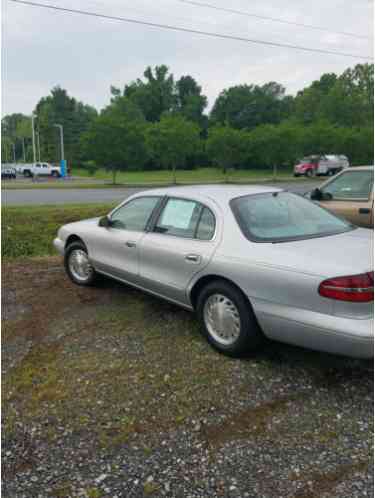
x=59, y=246
x=332, y=334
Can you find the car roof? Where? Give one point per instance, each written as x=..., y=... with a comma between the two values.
x=222, y=193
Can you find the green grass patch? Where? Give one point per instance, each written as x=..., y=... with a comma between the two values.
x=29, y=231
x=200, y=175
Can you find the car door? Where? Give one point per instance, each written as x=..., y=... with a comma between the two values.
x=181, y=244
x=115, y=249
x=351, y=196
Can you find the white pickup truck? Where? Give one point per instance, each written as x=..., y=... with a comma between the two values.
x=38, y=169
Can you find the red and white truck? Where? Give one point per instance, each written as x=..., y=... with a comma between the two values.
x=321, y=165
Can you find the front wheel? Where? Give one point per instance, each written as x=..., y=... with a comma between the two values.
x=227, y=319
x=310, y=173
x=77, y=264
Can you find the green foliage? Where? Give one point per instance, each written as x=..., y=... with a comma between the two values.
x=172, y=140
x=247, y=106
x=190, y=102
x=75, y=117
x=347, y=100
x=150, y=124
x=154, y=96
x=226, y=146
x=116, y=137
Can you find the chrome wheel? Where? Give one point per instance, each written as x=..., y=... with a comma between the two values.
x=79, y=265
x=222, y=319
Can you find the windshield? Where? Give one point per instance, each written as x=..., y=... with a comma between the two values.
x=351, y=185
x=282, y=216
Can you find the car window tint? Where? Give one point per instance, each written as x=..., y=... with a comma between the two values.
x=206, y=227
x=135, y=214
x=179, y=217
x=351, y=185
x=284, y=216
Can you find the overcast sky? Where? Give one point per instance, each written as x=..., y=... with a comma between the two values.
x=43, y=48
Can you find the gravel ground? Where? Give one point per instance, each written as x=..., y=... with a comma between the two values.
x=107, y=392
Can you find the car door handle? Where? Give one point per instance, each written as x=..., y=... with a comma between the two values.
x=364, y=211
x=130, y=243
x=193, y=258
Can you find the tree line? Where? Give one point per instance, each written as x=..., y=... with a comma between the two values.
x=157, y=122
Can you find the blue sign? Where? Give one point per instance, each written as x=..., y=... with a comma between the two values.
x=63, y=168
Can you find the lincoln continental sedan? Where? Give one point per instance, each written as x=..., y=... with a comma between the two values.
x=252, y=262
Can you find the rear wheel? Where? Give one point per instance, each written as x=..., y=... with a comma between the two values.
x=227, y=319
x=55, y=174
x=27, y=173
x=77, y=264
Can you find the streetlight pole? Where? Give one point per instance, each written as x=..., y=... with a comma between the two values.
x=38, y=144
x=23, y=149
x=33, y=136
x=14, y=152
x=62, y=162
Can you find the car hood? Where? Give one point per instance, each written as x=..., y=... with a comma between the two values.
x=343, y=254
x=77, y=226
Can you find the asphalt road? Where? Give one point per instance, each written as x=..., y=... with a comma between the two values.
x=87, y=196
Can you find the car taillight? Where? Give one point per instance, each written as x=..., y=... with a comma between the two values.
x=354, y=288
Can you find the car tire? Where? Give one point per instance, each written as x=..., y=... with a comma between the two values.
x=310, y=173
x=27, y=174
x=227, y=319
x=55, y=174
x=78, y=266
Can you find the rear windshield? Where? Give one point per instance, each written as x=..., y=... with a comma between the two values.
x=283, y=216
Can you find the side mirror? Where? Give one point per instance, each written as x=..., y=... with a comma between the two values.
x=326, y=196
x=105, y=222
x=316, y=195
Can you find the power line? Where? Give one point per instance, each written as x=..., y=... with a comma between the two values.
x=273, y=19
x=189, y=30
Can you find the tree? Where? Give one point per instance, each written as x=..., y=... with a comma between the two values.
x=116, y=138
x=10, y=124
x=226, y=146
x=189, y=100
x=248, y=106
x=155, y=96
x=346, y=100
x=75, y=117
x=172, y=141
x=275, y=145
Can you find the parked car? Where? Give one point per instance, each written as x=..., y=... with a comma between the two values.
x=253, y=262
x=8, y=173
x=349, y=194
x=321, y=165
x=39, y=169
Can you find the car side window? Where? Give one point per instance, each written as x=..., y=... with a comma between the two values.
x=354, y=185
x=206, y=226
x=179, y=217
x=135, y=214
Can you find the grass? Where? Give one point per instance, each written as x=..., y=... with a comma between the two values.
x=103, y=178
x=29, y=231
x=200, y=175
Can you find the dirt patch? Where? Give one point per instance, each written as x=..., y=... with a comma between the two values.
x=109, y=389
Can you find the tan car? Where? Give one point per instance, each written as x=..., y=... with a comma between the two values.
x=349, y=194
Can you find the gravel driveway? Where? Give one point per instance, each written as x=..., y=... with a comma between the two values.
x=110, y=393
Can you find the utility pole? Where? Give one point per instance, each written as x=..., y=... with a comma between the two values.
x=33, y=136
x=62, y=162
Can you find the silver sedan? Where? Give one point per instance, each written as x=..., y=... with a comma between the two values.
x=252, y=262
